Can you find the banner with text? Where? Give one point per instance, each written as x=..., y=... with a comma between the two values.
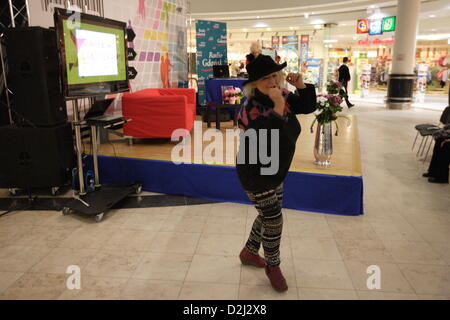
x=211, y=51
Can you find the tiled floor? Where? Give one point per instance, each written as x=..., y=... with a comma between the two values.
x=191, y=252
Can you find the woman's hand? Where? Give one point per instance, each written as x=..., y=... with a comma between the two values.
x=296, y=79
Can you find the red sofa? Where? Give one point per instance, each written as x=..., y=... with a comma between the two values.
x=156, y=113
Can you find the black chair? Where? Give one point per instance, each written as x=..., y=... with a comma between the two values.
x=427, y=131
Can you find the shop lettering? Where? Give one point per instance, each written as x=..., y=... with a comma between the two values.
x=375, y=42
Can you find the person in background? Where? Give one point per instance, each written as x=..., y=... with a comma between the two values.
x=278, y=59
x=269, y=110
x=344, y=78
x=255, y=51
x=438, y=169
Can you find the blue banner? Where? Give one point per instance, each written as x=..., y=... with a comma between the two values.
x=211, y=50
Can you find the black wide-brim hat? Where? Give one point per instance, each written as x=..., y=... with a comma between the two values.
x=262, y=66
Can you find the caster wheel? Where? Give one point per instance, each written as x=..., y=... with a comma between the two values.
x=138, y=190
x=65, y=211
x=55, y=191
x=99, y=217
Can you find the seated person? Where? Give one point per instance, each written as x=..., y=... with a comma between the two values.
x=438, y=170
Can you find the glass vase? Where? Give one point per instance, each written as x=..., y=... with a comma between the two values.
x=323, y=145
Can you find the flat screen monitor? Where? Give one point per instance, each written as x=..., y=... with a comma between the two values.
x=221, y=71
x=93, y=54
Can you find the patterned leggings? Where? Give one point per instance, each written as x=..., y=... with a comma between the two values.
x=268, y=224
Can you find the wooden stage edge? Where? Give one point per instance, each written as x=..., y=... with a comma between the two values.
x=345, y=161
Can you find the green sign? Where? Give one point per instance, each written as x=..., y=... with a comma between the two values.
x=363, y=55
x=389, y=24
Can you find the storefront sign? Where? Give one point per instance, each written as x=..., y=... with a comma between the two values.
x=389, y=24
x=375, y=27
x=290, y=41
x=362, y=26
x=276, y=42
x=211, y=51
x=304, y=47
x=375, y=42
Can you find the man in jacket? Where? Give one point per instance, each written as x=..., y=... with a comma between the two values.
x=344, y=78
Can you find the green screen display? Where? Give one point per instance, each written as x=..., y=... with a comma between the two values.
x=94, y=53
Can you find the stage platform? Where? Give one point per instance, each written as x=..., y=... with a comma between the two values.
x=337, y=189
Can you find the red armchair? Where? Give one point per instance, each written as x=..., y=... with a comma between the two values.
x=156, y=113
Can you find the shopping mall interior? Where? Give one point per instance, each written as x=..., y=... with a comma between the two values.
x=121, y=128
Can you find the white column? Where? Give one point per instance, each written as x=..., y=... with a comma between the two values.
x=401, y=80
x=404, y=56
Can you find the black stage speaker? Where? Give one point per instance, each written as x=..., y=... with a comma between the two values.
x=34, y=76
x=36, y=157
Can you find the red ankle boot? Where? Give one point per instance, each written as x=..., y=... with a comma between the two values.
x=276, y=278
x=249, y=258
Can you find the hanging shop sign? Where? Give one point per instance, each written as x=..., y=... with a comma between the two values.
x=211, y=51
x=304, y=47
x=362, y=26
x=375, y=27
x=388, y=24
x=276, y=42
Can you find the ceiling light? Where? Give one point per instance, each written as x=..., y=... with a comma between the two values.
x=257, y=17
x=291, y=28
x=317, y=26
x=448, y=41
x=330, y=41
x=245, y=29
x=268, y=29
x=432, y=16
x=433, y=36
x=306, y=15
x=318, y=21
x=261, y=25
